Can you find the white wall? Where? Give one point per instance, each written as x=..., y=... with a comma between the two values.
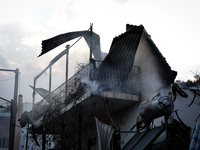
x=124, y=120
x=152, y=80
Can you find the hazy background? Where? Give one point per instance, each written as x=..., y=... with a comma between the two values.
x=172, y=24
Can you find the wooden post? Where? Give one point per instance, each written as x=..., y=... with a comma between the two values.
x=18, y=129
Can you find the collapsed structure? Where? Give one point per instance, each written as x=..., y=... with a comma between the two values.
x=112, y=103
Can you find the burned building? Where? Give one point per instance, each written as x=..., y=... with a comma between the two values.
x=111, y=103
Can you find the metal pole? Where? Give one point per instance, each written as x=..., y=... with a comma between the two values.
x=91, y=41
x=66, y=73
x=11, y=127
x=34, y=86
x=7, y=70
x=50, y=64
x=5, y=100
x=13, y=112
x=90, y=59
x=50, y=68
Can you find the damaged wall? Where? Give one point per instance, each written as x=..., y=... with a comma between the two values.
x=150, y=80
x=152, y=69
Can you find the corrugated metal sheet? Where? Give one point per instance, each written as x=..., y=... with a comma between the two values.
x=123, y=47
x=52, y=43
x=104, y=133
x=116, y=66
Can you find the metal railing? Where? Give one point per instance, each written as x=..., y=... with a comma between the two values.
x=63, y=96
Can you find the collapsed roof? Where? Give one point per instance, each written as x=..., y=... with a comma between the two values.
x=92, y=39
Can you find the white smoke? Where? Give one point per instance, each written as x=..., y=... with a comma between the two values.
x=37, y=123
x=93, y=85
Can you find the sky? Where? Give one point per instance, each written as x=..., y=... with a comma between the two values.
x=172, y=24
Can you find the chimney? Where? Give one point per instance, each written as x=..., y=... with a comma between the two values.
x=134, y=28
